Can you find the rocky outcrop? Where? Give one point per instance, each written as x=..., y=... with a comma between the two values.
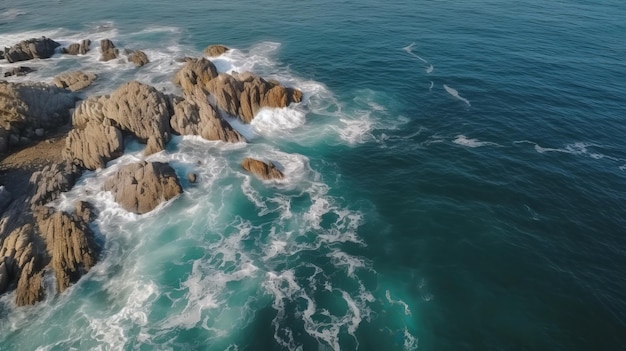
x=4, y=276
x=77, y=48
x=196, y=72
x=215, y=50
x=139, y=58
x=135, y=108
x=74, y=81
x=70, y=244
x=241, y=95
x=108, y=50
x=93, y=145
x=261, y=169
x=41, y=48
x=18, y=71
x=141, y=187
x=54, y=179
x=26, y=107
x=195, y=116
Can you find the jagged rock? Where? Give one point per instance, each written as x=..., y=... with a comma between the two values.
x=196, y=72
x=4, y=276
x=109, y=52
x=261, y=169
x=70, y=244
x=241, y=95
x=18, y=71
x=77, y=48
x=94, y=145
x=25, y=107
x=195, y=116
x=139, y=58
x=192, y=177
x=134, y=107
x=54, y=179
x=5, y=198
x=215, y=50
x=31, y=49
x=1, y=55
x=141, y=187
x=75, y=80
x=85, y=211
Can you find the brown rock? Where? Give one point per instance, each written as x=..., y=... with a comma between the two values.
x=70, y=244
x=77, y=48
x=139, y=58
x=196, y=72
x=93, y=146
x=25, y=107
x=135, y=108
x=215, y=50
x=108, y=50
x=41, y=48
x=192, y=177
x=4, y=276
x=261, y=169
x=141, y=187
x=195, y=116
x=74, y=81
x=50, y=182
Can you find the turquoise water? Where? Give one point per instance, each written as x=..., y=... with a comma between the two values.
x=455, y=181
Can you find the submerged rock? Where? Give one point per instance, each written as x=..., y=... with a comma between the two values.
x=74, y=81
x=18, y=71
x=261, y=169
x=41, y=48
x=141, y=187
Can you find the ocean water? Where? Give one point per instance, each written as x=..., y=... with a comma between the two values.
x=455, y=180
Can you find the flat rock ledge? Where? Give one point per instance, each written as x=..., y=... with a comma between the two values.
x=141, y=187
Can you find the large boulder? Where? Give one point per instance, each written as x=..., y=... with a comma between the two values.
x=139, y=58
x=74, y=81
x=108, y=50
x=93, y=145
x=215, y=50
x=77, y=48
x=134, y=107
x=51, y=181
x=141, y=187
x=26, y=107
x=261, y=169
x=41, y=48
x=196, y=72
x=70, y=244
x=194, y=115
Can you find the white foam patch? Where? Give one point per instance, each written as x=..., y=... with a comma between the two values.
x=272, y=121
x=10, y=14
x=576, y=148
x=469, y=142
x=455, y=94
x=430, y=69
x=409, y=50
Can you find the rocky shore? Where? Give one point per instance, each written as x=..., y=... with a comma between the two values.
x=51, y=133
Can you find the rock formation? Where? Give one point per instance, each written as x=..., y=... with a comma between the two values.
x=195, y=116
x=261, y=169
x=139, y=58
x=77, y=48
x=25, y=107
x=241, y=95
x=108, y=50
x=75, y=80
x=41, y=48
x=18, y=71
x=215, y=50
x=134, y=107
x=93, y=145
x=141, y=187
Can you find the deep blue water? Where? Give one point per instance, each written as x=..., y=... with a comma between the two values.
x=411, y=218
